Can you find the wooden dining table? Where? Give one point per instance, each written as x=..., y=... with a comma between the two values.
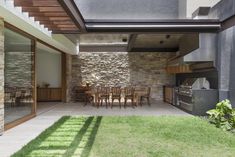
x=137, y=95
x=95, y=96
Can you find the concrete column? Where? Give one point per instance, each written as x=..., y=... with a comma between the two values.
x=68, y=77
x=1, y=76
x=225, y=49
x=232, y=72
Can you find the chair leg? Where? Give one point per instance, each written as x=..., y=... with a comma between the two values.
x=120, y=102
x=132, y=103
x=112, y=103
x=106, y=102
x=101, y=103
x=125, y=103
x=148, y=101
x=85, y=101
x=141, y=99
x=98, y=103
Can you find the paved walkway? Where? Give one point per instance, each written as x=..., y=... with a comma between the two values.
x=48, y=113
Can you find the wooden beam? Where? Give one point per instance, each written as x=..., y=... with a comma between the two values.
x=131, y=42
x=46, y=14
x=72, y=10
x=52, y=19
x=63, y=22
x=42, y=9
x=37, y=3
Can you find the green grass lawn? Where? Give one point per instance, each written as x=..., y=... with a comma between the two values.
x=131, y=137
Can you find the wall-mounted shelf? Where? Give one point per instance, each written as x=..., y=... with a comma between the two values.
x=178, y=69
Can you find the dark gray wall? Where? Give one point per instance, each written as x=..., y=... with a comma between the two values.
x=223, y=10
x=226, y=52
x=225, y=49
x=128, y=9
x=232, y=72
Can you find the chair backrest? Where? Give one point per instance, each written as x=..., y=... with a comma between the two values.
x=104, y=90
x=28, y=92
x=129, y=91
x=18, y=93
x=116, y=90
x=7, y=96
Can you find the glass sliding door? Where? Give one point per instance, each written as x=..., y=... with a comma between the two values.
x=19, y=76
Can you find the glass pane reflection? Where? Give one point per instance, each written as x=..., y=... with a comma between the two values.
x=18, y=76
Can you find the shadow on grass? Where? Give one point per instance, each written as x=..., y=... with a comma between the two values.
x=91, y=139
x=70, y=139
x=26, y=150
x=77, y=140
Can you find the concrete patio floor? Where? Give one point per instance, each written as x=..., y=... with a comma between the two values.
x=15, y=138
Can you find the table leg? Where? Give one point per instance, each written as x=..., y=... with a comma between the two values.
x=136, y=100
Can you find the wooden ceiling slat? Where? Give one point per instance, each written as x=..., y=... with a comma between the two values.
x=73, y=11
x=37, y=3
x=49, y=13
x=66, y=31
x=42, y=9
x=63, y=22
x=66, y=26
x=73, y=29
x=52, y=19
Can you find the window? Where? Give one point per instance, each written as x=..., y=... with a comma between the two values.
x=19, y=76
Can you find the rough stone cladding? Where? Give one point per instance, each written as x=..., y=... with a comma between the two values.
x=1, y=77
x=122, y=69
x=18, y=67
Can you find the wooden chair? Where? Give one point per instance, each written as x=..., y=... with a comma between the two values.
x=146, y=96
x=9, y=99
x=89, y=97
x=116, y=94
x=27, y=96
x=103, y=94
x=18, y=97
x=129, y=94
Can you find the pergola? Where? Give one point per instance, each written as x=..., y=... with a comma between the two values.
x=59, y=16
x=66, y=17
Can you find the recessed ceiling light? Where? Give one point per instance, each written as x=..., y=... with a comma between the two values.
x=168, y=36
x=124, y=40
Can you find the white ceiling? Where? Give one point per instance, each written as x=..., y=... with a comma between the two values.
x=100, y=41
x=153, y=41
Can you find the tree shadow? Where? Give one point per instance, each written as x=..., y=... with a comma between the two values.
x=78, y=138
x=34, y=144
x=60, y=133
x=87, y=149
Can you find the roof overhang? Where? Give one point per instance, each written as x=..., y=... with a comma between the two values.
x=27, y=27
x=134, y=26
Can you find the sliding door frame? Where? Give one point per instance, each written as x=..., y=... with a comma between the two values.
x=34, y=41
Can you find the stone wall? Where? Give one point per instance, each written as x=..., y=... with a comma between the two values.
x=18, y=69
x=122, y=69
x=1, y=76
x=68, y=77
